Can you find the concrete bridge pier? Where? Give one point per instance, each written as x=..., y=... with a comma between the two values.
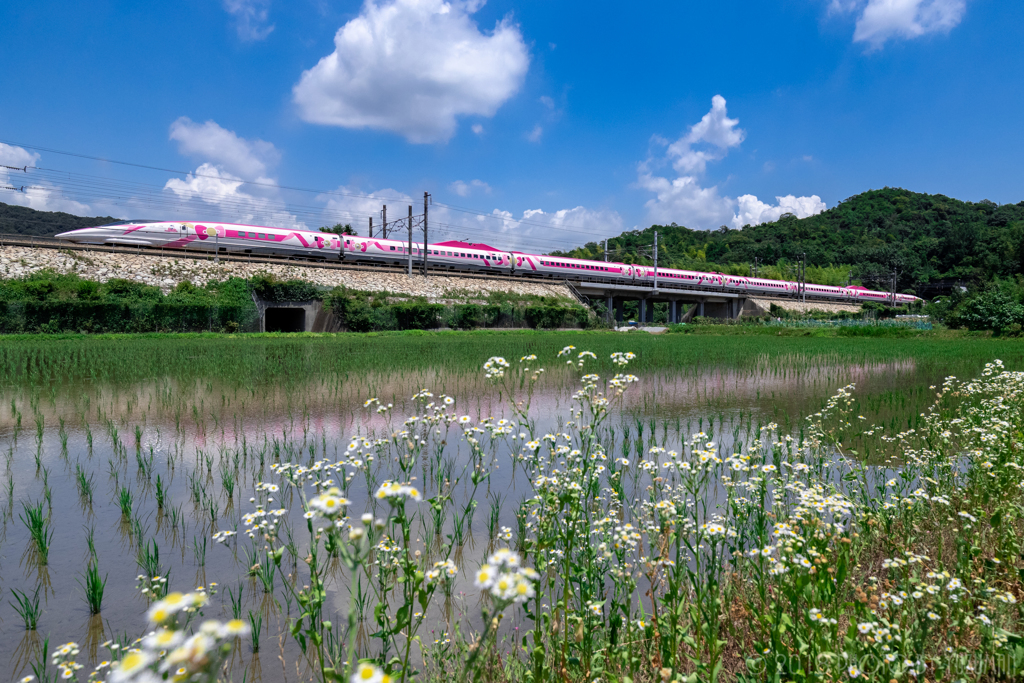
x=681, y=305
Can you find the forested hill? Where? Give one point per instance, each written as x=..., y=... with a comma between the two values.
x=924, y=238
x=21, y=220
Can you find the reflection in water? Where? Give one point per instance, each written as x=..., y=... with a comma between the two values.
x=29, y=650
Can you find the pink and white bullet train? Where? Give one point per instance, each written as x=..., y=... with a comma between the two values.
x=456, y=256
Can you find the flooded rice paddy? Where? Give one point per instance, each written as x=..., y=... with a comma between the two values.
x=137, y=452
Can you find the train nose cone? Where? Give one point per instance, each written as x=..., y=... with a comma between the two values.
x=81, y=232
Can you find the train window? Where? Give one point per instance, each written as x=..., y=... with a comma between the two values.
x=262, y=236
x=392, y=248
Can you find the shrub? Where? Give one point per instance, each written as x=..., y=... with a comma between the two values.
x=417, y=315
x=468, y=316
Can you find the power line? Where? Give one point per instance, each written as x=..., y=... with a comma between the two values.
x=193, y=173
x=257, y=183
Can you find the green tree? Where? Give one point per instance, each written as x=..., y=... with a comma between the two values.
x=339, y=229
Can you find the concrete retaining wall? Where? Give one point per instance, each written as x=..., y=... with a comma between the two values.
x=167, y=272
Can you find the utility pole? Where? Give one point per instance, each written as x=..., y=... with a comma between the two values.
x=606, y=250
x=755, y=266
x=426, y=251
x=803, y=276
x=384, y=220
x=371, y=227
x=410, y=240
x=655, y=260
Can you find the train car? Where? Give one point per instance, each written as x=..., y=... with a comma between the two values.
x=682, y=278
x=459, y=256
x=453, y=255
x=570, y=268
x=220, y=237
x=762, y=285
x=864, y=294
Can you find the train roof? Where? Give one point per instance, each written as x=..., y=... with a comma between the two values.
x=457, y=244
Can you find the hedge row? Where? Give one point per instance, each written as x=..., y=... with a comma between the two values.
x=136, y=316
x=358, y=314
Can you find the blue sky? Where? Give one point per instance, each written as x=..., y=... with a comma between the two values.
x=532, y=124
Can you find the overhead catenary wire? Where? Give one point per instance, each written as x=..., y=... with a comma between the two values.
x=195, y=174
x=134, y=194
x=273, y=185
x=579, y=229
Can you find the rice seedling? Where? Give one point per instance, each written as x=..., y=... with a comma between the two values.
x=160, y=493
x=136, y=528
x=93, y=586
x=235, y=598
x=227, y=479
x=9, y=489
x=148, y=558
x=27, y=607
x=145, y=464
x=63, y=434
x=177, y=519
x=84, y=482
x=90, y=542
x=199, y=550
x=40, y=530
x=266, y=569
x=126, y=502
x=255, y=628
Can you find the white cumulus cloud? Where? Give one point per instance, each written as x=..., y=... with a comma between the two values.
x=31, y=192
x=208, y=141
x=707, y=140
x=218, y=187
x=542, y=231
x=250, y=18
x=685, y=199
x=412, y=67
x=882, y=20
x=753, y=211
x=351, y=205
x=464, y=189
x=223, y=196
